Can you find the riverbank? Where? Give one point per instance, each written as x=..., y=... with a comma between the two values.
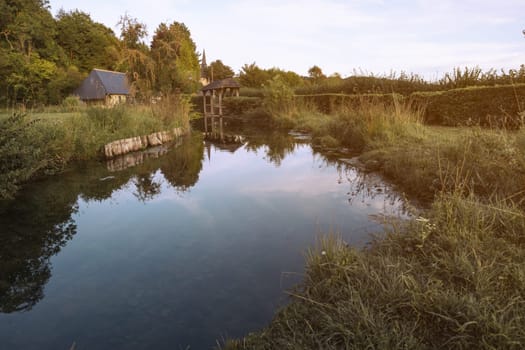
x=33, y=144
x=452, y=278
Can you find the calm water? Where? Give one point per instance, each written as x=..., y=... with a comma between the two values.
x=192, y=244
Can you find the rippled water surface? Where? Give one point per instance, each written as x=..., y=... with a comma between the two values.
x=177, y=246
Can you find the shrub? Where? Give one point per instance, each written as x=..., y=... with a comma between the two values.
x=20, y=157
x=278, y=97
x=241, y=105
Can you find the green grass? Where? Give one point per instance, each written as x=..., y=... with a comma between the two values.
x=451, y=279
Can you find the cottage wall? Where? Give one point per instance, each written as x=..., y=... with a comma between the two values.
x=112, y=100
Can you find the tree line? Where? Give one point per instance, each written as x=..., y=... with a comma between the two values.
x=44, y=58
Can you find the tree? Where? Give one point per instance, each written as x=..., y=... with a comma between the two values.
x=87, y=44
x=30, y=56
x=253, y=76
x=218, y=70
x=176, y=59
x=135, y=57
x=316, y=74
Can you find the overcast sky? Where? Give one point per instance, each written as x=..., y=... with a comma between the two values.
x=428, y=37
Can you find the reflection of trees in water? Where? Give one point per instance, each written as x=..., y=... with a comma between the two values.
x=38, y=223
x=145, y=187
x=277, y=145
x=34, y=228
x=182, y=166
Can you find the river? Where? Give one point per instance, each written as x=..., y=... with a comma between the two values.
x=176, y=247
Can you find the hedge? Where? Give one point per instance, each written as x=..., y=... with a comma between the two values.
x=493, y=106
x=489, y=106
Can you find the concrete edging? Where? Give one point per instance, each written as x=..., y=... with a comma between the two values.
x=132, y=144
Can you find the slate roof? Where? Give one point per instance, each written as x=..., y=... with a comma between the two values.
x=221, y=84
x=100, y=83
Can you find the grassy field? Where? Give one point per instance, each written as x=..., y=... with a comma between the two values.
x=453, y=278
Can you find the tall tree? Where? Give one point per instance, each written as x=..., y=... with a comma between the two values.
x=86, y=43
x=135, y=56
x=316, y=74
x=253, y=76
x=176, y=59
x=218, y=70
x=30, y=55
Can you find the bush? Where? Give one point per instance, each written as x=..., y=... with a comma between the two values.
x=278, y=97
x=20, y=156
x=241, y=105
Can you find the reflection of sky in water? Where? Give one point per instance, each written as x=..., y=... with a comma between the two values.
x=186, y=268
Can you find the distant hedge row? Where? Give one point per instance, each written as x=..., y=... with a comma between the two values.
x=492, y=106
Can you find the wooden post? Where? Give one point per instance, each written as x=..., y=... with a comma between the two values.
x=205, y=123
x=220, y=103
x=237, y=92
x=212, y=101
x=220, y=129
x=204, y=102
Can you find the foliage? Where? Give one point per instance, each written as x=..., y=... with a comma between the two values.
x=218, y=70
x=252, y=76
x=176, y=60
x=316, y=74
x=278, y=97
x=20, y=157
x=87, y=44
x=134, y=57
x=241, y=105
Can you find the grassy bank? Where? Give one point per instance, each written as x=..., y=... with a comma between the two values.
x=33, y=143
x=451, y=279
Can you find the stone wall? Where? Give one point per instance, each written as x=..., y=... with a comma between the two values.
x=132, y=144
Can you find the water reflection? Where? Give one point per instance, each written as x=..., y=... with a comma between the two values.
x=34, y=228
x=36, y=225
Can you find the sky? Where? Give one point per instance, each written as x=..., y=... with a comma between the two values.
x=427, y=37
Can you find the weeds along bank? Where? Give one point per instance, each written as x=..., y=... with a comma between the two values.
x=43, y=143
x=452, y=278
